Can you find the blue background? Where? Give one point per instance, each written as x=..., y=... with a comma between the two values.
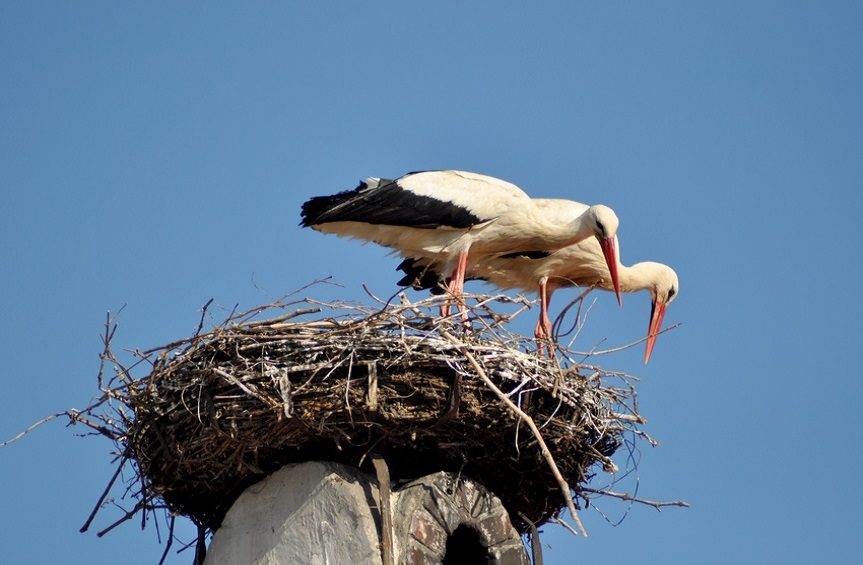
x=157, y=157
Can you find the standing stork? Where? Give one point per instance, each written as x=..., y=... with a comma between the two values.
x=451, y=218
x=579, y=264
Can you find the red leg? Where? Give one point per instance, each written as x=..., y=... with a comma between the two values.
x=444, y=309
x=459, y=275
x=542, y=331
x=546, y=301
x=456, y=287
x=539, y=329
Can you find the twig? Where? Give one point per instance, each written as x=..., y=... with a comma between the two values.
x=558, y=321
x=203, y=317
x=129, y=515
x=92, y=515
x=630, y=498
x=283, y=318
x=625, y=346
x=325, y=280
x=372, y=391
x=564, y=486
x=248, y=389
x=32, y=427
x=201, y=546
x=170, y=541
x=563, y=523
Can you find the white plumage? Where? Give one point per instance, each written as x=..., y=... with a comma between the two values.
x=453, y=218
x=580, y=264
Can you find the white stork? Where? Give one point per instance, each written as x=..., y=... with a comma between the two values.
x=444, y=217
x=579, y=264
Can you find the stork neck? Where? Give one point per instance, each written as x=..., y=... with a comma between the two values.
x=577, y=230
x=637, y=277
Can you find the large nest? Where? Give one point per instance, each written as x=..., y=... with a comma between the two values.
x=222, y=409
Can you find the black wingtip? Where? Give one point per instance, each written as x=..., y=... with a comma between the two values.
x=407, y=266
x=385, y=202
x=316, y=210
x=542, y=254
x=419, y=277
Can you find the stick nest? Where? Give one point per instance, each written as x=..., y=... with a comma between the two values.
x=222, y=409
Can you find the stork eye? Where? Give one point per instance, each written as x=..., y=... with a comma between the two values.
x=671, y=292
x=600, y=227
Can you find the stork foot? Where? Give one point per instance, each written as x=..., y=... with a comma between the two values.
x=445, y=309
x=543, y=341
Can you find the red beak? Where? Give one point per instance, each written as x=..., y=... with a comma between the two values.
x=657, y=312
x=608, y=245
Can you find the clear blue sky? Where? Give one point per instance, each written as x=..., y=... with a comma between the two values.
x=157, y=157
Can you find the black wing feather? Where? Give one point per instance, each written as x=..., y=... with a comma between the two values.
x=420, y=278
x=424, y=278
x=527, y=255
x=387, y=203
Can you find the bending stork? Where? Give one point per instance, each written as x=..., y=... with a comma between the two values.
x=580, y=264
x=456, y=218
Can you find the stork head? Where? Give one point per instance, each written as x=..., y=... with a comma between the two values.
x=605, y=225
x=664, y=288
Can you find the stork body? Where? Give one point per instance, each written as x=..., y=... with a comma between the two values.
x=455, y=218
x=579, y=264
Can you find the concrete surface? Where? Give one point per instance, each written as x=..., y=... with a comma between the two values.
x=322, y=513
